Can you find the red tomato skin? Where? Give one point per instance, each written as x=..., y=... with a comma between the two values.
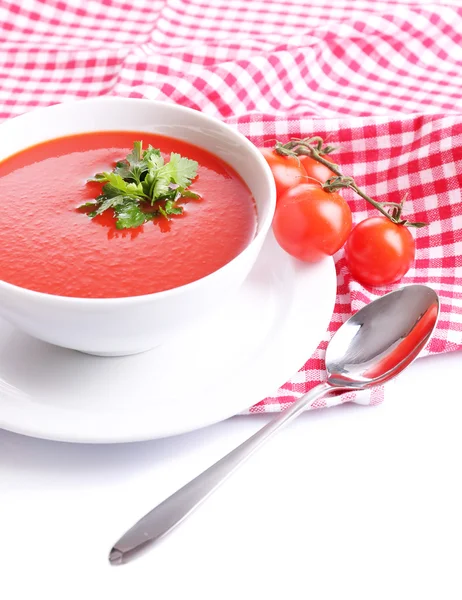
x=379, y=252
x=287, y=170
x=311, y=223
x=315, y=169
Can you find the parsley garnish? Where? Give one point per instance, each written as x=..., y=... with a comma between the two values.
x=144, y=186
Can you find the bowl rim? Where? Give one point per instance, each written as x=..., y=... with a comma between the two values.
x=262, y=229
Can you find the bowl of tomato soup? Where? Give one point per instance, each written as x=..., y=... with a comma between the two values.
x=125, y=221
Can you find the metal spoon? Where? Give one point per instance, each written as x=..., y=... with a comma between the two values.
x=373, y=346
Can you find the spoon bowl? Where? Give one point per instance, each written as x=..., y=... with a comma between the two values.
x=369, y=349
x=382, y=339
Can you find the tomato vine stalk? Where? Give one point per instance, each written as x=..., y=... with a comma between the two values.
x=315, y=148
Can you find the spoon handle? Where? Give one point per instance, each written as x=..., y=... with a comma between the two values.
x=176, y=507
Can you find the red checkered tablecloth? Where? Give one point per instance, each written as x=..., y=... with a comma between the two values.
x=382, y=79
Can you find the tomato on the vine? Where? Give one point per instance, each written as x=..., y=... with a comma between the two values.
x=287, y=170
x=311, y=223
x=315, y=169
x=312, y=220
x=379, y=252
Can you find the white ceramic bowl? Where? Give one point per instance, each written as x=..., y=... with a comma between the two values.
x=111, y=326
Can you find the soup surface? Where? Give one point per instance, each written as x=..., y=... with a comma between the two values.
x=47, y=244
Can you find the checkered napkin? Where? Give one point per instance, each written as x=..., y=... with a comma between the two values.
x=382, y=79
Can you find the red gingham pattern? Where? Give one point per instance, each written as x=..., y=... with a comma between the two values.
x=382, y=79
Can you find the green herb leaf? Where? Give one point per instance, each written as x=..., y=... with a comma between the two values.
x=153, y=158
x=109, y=203
x=161, y=185
x=134, y=157
x=123, y=169
x=88, y=205
x=181, y=170
x=143, y=178
x=190, y=194
x=117, y=183
x=163, y=213
x=148, y=184
x=98, y=177
x=171, y=208
x=129, y=214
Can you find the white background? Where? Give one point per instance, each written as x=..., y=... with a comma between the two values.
x=347, y=503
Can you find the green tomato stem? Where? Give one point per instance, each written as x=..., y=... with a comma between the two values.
x=305, y=148
x=314, y=147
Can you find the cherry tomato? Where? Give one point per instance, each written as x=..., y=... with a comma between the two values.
x=379, y=252
x=315, y=169
x=311, y=223
x=287, y=170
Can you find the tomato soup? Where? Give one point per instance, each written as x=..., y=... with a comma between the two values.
x=47, y=244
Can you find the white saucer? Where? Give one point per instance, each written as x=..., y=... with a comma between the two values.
x=238, y=357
